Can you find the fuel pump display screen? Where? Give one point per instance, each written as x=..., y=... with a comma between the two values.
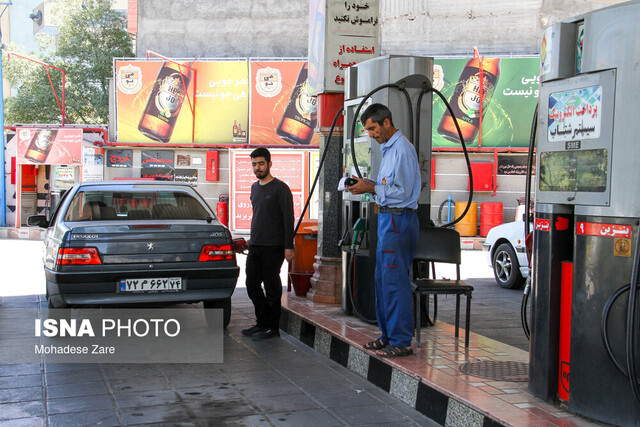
x=363, y=156
x=579, y=170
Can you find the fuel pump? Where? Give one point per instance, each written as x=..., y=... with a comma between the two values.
x=397, y=82
x=587, y=217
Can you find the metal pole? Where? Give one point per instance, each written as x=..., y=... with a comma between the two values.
x=3, y=177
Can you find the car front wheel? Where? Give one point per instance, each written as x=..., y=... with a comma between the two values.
x=506, y=268
x=225, y=305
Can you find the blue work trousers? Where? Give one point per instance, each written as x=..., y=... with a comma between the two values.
x=397, y=240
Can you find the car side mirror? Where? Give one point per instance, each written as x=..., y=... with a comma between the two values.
x=37, y=221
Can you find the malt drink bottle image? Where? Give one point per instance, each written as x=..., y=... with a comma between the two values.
x=300, y=115
x=465, y=101
x=40, y=145
x=165, y=102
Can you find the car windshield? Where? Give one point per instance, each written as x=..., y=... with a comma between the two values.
x=134, y=205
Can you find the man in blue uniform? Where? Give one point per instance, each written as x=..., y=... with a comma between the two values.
x=395, y=191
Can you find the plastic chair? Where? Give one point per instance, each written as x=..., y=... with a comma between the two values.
x=438, y=245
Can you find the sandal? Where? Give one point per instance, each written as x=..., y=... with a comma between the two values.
x=394, y=351
x=375, y=345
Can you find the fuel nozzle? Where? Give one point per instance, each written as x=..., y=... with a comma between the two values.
x=358, y=231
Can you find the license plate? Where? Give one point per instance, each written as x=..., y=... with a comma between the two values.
x=158, y=284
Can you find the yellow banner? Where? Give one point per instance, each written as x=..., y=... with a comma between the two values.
x=156, y=102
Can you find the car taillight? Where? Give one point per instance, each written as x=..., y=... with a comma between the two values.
x=216, y=253
x=78, y=256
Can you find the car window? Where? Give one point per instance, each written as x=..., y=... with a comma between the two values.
x=134, y=206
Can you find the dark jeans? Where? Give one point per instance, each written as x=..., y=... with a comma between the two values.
x=263, y=266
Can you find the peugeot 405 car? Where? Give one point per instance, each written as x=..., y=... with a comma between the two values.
x=137, y=242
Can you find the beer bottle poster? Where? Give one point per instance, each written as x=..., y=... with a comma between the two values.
x=282, y=112
x=148, y=88
x=49, y=146
x=508, y=105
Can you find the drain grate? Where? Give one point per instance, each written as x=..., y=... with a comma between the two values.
x=501, y=371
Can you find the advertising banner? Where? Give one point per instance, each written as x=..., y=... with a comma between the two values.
x=282, y=112
x=51, y=146
x=155, y=100
x=289, y=167
x=510, y=94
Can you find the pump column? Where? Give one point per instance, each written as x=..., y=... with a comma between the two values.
x=325, y=283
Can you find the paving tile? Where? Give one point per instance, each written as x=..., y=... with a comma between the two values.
x=80, y=389
x=219, y=412
x=21, y=381
x=380, y=414
x=138, y=383
x=238, y=421
x=12, y=411
x=316, y=418
x=78, y=404
x=210, y=393
x=352, y=399
x=24, y=422
x=104, y=418
x=149, y=398
x=275, y=388
x=23, y=394
x=72, y=377
x=169, y=414
x=292, y=402
x=12, y=370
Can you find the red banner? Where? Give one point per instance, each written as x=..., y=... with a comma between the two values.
x=51, y=146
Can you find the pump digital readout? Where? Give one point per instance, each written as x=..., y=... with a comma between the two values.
x=584, y=170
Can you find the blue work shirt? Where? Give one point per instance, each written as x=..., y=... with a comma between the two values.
x=398, y=183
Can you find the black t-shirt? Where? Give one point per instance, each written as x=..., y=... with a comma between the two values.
x=272, y=222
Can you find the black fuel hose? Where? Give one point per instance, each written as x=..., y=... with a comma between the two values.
x=351, y=288
x=632, y=326
x=527, y=222
x=315, y=181
x=400, y=86
x=464, y=149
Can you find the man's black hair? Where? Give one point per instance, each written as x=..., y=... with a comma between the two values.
x=261, y=152
x=377, y=113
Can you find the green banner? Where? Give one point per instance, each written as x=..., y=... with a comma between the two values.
x=510, y=94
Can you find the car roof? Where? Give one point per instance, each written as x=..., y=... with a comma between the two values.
x=128, y=184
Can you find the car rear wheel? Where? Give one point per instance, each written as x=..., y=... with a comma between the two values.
x=225, y=305
x=506, y=268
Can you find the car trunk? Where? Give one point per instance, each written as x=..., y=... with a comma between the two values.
x=148, y=242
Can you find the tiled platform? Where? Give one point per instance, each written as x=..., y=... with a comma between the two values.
x=428, y=381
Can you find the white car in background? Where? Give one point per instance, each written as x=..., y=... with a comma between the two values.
x=507, y=254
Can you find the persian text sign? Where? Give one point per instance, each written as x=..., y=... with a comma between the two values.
x=51, y=146
x=291, y=168
x=575, y=114
x=341, y=34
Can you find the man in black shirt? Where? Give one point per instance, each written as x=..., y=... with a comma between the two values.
x=270, y=243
